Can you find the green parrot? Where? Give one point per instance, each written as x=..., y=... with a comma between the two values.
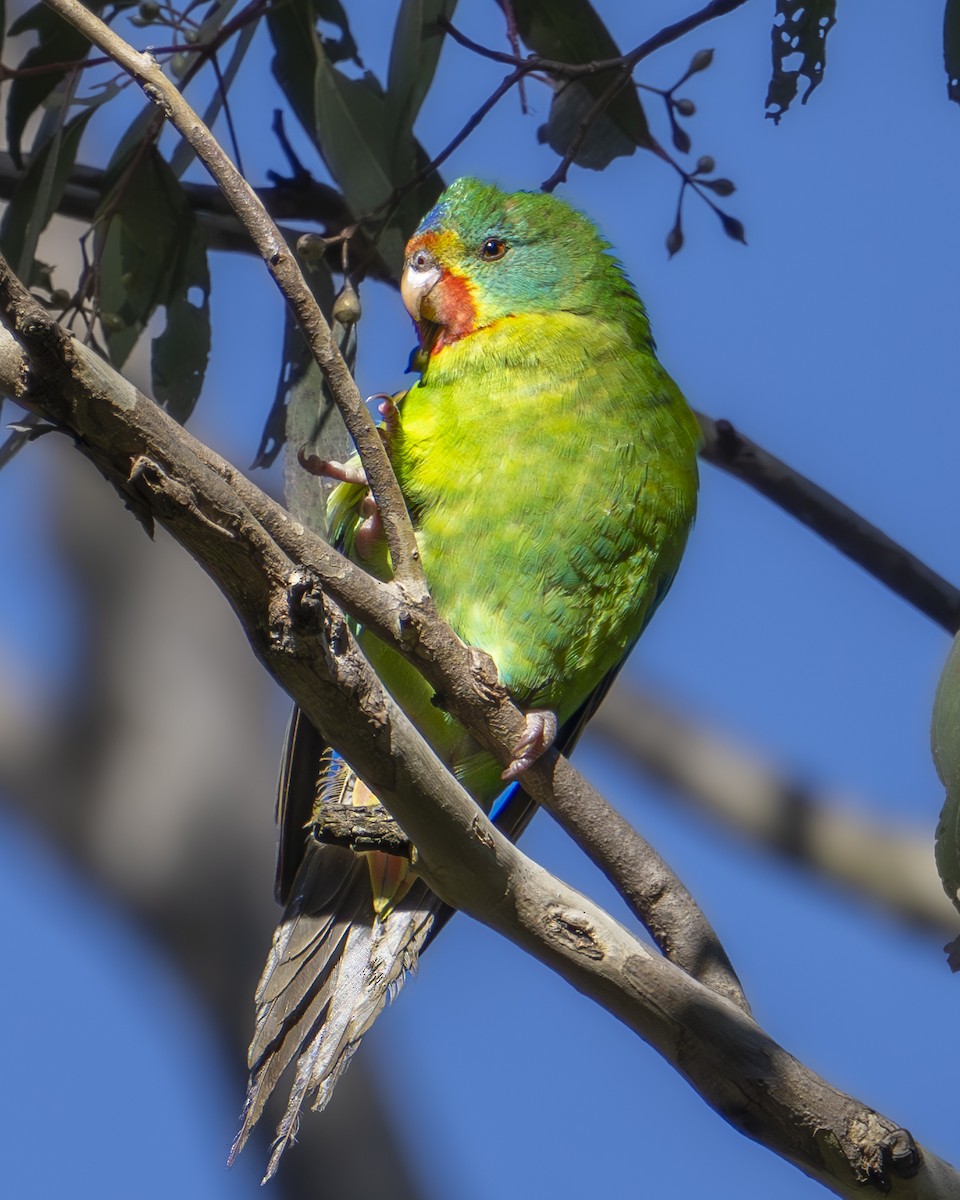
x=549, y=465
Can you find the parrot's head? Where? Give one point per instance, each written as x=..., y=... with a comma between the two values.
x=482, y=256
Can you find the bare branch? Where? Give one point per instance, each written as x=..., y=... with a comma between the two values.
x=831, y=835
x=853, y=536
x=302, y=638
x=622, y=62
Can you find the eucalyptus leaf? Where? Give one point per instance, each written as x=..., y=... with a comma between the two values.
x=59, y=43
x=40, y=189
x=945, y=743
x=151, y=254
x=294, y=358
x=800, y=28
x=414, y=54
x=951, y=48
x=178, y=359
x=571, y=31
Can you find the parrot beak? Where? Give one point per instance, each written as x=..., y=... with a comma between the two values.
x=421, y=273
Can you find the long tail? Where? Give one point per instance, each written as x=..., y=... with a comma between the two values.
x=334, y=961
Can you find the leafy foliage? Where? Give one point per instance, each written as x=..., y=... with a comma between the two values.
x=59, y=43
x=151, y=254
x=363, y=132
x=570, y=31
x=38, y=194
x=799, y=32
x=148, y=250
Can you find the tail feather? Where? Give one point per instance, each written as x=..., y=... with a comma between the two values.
x=332, y=966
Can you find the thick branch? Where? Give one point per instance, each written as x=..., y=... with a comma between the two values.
x=833, y=520
x=302, y=638
x=147, y=445
x=300, y=199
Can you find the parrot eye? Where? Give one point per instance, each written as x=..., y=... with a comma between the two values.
x=492, y=249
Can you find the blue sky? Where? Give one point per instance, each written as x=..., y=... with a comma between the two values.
x=830, y=339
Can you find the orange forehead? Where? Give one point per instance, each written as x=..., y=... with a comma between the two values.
x=435, y=243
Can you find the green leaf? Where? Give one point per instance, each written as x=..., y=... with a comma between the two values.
x=298, y=45
x=59, y=42
x=800, y=30
x=151, y=254
x=571, y=31
x=945, y=743
x=951, y=48
x=39, y=190
x=354, y=126
x=351, y=122
x=333, y=13
x=414, y=54
x=178, y=358
x=314, y=424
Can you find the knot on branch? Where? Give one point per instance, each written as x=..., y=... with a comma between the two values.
x=305, y=601
x=169, y=498
x=729, y=442
x=882, y=1150
x=573, y=931
x=365, y=828
x=485, y=674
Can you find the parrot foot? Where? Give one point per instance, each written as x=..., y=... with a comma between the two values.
x=539, y=734
x=390, y=413
x=370, y=531
x=328, y=468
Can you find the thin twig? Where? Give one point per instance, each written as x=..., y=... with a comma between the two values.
x=469, y=126
x=286, y=274
x=551, y=66
x=595, y=112
x=851, y=534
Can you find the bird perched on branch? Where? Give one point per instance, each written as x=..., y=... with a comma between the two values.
x=548, y=463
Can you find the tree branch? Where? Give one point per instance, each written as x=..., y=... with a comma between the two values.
x=890, y=866
x=286, y=273
x=850, y=533
x=301, y=637
x=298, y=199
x=404, y=615
x=622, y=62
x=140, y=467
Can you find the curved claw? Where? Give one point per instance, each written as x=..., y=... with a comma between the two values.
x=539, y=734
x=330, y=468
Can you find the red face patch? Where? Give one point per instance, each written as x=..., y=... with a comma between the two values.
x=449, y=304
